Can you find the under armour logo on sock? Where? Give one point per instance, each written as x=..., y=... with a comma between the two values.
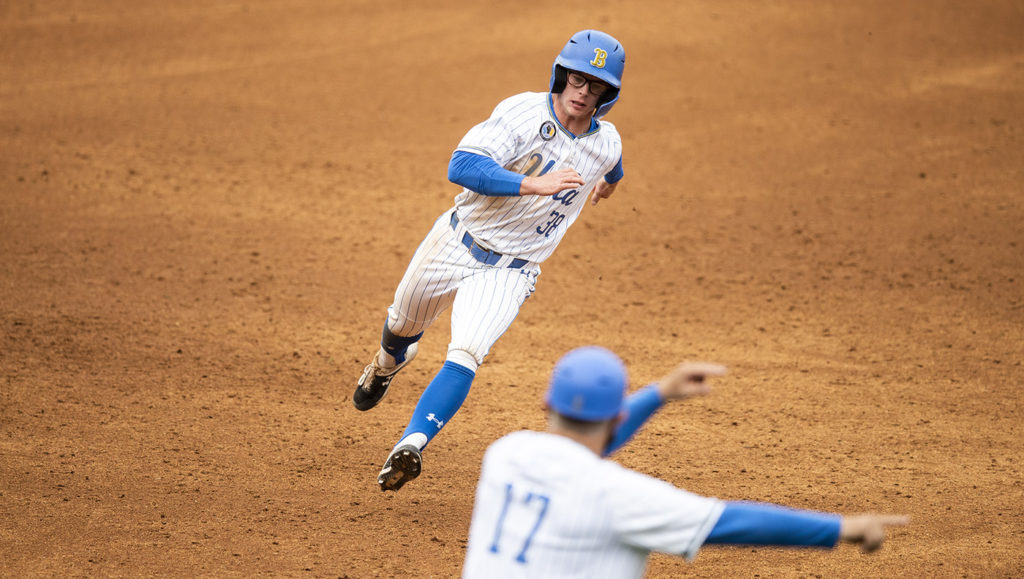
x=433, y=418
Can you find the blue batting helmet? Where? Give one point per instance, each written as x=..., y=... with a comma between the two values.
x=595, y=53
x=588, y=384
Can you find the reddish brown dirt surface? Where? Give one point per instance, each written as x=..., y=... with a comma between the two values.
x=204, y=212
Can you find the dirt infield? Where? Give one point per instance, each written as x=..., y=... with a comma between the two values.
x=204, y=212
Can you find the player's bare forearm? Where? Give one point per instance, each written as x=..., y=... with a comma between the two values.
x=869, y=529
x=688, y=379
x=603, y=190
x=551, y=183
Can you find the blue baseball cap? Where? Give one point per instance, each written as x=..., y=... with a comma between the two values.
x=588, y=384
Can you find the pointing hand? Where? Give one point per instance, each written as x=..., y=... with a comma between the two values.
x=689, y=379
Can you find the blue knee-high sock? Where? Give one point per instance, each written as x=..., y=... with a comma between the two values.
x=441, y=400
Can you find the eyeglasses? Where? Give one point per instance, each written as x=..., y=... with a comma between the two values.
x=597, y=88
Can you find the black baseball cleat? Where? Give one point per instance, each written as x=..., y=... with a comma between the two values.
x=402, y=466
x=373, y=384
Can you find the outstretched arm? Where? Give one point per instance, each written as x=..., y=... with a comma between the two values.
x=640, y=406
x=750, y=523
x=684, y=381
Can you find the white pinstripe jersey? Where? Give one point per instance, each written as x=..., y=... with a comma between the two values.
x=524, y=136
x=546, y=506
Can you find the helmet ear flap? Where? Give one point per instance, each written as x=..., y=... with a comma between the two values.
x=607, y=97
x=558, y=79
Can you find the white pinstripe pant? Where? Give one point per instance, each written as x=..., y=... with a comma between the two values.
x=484, y=298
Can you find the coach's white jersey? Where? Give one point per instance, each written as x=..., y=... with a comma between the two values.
x=546, y=506
x=524, y=136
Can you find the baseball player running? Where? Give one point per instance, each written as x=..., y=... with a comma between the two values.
x=548, y=505
x=526, y=172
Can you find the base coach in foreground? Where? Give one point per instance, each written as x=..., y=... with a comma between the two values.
x=549, y=505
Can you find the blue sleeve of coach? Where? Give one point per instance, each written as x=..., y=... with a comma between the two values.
x=615, y=175
x=748, y=523
x=640, y=406
x=483, y=175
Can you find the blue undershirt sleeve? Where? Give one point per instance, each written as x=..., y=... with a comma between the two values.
x=483, y=175
x=749, y=523
x=640, y=406
x=615, y=175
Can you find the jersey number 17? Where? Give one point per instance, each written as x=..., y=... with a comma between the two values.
x=530, y=501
